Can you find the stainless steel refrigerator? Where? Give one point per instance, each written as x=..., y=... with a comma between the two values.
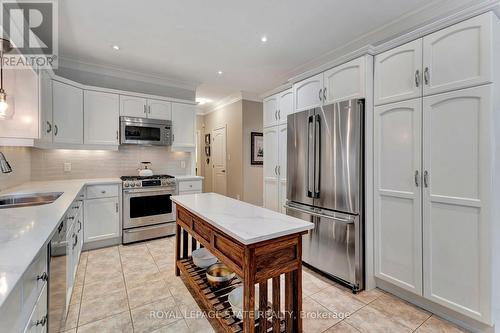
x=325, y=186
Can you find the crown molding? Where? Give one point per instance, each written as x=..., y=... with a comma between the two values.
x=276, y=90
x=125, y=74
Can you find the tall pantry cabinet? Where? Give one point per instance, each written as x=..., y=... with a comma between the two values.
x=434, y=166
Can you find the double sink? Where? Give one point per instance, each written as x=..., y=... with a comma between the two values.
x=29, y=199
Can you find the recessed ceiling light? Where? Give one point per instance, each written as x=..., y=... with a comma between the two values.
x=116, y=47
x=219, y=72
x=263, y=39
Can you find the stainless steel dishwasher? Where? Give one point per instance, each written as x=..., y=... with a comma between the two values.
x=57, y=279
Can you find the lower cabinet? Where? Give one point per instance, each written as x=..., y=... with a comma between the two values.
x=37, y=323
x=101, y=219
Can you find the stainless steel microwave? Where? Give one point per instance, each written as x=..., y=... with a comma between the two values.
x=145, y=131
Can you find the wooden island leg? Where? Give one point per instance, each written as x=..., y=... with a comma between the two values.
x=249, y=292
x=177, y=248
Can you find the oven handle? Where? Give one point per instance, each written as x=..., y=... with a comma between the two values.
x=149, y=190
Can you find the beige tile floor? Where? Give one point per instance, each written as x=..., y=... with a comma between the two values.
x=117, y=288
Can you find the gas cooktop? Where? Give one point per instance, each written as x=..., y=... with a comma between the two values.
x=124, y=178
x=147, y=181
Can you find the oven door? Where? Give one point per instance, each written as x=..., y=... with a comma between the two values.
x=143, y=133
x=147, y=206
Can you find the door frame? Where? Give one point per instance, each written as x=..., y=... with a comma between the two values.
x=225, y=157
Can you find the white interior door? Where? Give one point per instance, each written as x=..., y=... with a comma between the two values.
x=271, y=162
x=398, y=73
x=459, y=56
x=219, y=174
x=270, y=107
x=397, y=199
x=457, y=158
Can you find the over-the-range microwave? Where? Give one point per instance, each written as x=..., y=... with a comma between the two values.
x=145, y=131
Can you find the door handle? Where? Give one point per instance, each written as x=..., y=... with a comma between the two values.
x=426, y=178
x=49, y=127
x=417, y=178
x=427, y=75
x=417, y=78
x=223, y=171
x=316, y=214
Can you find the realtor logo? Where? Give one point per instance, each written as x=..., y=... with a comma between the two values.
x=31, y=27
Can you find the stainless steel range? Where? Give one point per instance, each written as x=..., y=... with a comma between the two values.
x=148, y=211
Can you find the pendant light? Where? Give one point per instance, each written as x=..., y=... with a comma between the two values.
x=5, y=112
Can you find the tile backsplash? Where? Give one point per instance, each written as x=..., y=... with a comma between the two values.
x=20, y=160
x=48, y=164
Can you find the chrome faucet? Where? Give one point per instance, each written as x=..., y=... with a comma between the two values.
x=4, y=164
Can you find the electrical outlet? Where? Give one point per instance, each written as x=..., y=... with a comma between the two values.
x=183, y=164
x=67, y=167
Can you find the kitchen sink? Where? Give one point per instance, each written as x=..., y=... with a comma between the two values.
x=28, y=199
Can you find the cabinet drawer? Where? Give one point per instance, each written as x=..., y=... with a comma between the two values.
x=34, y=279
x=191, y=185
x=102, y=191
x=38, y=318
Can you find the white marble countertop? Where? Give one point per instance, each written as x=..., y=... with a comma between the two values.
x=247, y=223
x=24, y=231
x=181, y=178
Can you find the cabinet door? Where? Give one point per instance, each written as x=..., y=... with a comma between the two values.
x=345, y=82
x=397, y=197
x=68, y=113
x=102, y=219
x=282, y=132
x=159, y=109
x=271, y=162
x=183, y=123
x=270, y=107
x=285, y=105
x=101, y=118
x=456, y=235
x=131, y=106
x=46, y=124
x=308, y=94
x=398, y=73
x=459, y=56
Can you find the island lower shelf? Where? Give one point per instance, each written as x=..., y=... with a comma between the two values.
x=274, y=264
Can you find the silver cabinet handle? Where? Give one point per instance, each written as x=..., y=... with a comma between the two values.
x=116, y=135
x=173, y=137
x=75, y=240
x=145, y=111
x=276, y=170
x=103, y=191
x=49, y=127
x=279, y=170
x=426, y=178
x=79, y=226
x=417, y=179
x=43, y=277
x=116, y=207
x=279, y=114
x=149, y=109
x=427, y=75
x=71, y=217
x=417, y=78
x=276, y=115
x=319, y=94
x=56, y=130
x=324, y=94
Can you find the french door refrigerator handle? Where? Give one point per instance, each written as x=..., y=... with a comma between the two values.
x=317, y=155
x=309, y=160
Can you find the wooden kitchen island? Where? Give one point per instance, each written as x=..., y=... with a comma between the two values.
x=261, y=246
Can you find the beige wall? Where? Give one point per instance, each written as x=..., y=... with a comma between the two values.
x=229, y=116
x=252, y=174
x=19, y=159
x=244, y=181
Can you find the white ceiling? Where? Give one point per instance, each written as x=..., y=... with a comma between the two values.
x=190, y=40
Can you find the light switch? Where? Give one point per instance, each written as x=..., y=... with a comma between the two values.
x=67, y=167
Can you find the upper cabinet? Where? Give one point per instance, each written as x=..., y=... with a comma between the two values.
x=159, y=109
x=101, y=114
x=132, y=106
x=344, y=82
x=457, y=57
x=67, y=113
x=277, y=107
x=183, y=124
x=46, y=127
x=398, y=73
x=21, y=86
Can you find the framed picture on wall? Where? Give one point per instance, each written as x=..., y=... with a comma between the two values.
x=207, y=151
x=257, y=148
x=207, y=139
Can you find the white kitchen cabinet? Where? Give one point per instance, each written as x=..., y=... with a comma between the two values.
x=285, y=105
x=457, y=161
x=459, y=56
x=398, y=73
x=158, y=109
x=102, y=219
x=21, y=86
x=183, y=124
x=308, y=93
x=37, y=322
x=101, y=118
x=131, y=106
x=282, y=133
x=270, y=110
x=275, y=167
x=397, y=198
x=67, y=113
x=46, y=121
x=344, y=82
